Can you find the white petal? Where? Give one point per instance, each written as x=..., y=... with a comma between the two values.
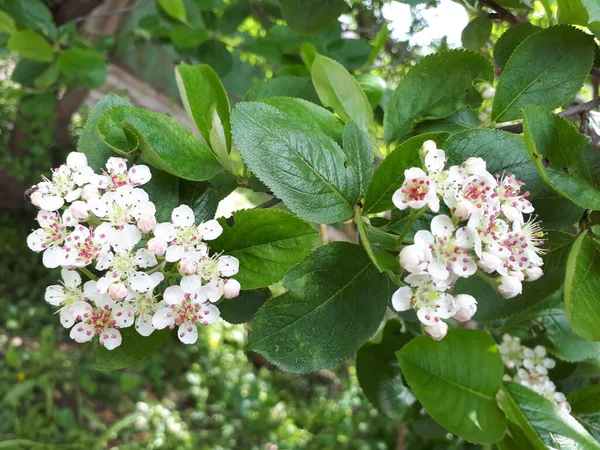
x=424, y=238
x=140, y=282
x=73, y=195
x=228, y=265
x=82, y=332
x=46, y=218
x=213, y=290
x=76, y=160
x=174, y=253
x=210, y=230
x=414, y=172
x=465, y=237
x=50, y=202
x=464, y=268
x=82, y=176
x=442, y=226
x=51, y=258
x=116, y=165
x=140, y=174
x=427, y=316
x=143, y=324
x=71, y=278
x=163, y=318
x=80, y=310
x=125, y=238
x=157, y=278
x=99, y=181
x=437, y=270
x=110, y=338
x=174, y=295
x=191, y=283
x=209, y=314
x=401, y=298
x=103, y=301
x=55, y=294
x=105, y=281
x=144, y=258
x=435, y=161
x=188, y=333
x=122, y=313
x=433, y=202
x=165, y=231
x=183, y=216
x=35, y=240
x=67, y=319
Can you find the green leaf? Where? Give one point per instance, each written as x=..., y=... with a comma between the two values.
x=215, y=54
x=27, y=70
x=203, y=197
x=359, y=151
x=163, y=142
x=463, y=120
x=379, y=374
x=32, y=14
x=437, y=86
x=163, y=190
x=134, y=348
x=303, y=167
x=242, y=308
x=539, y=418
x=557, y=149
x=85, y=63
x=7, y=23
x=340, y=91
x=175, y=9
x=378, y=43
x=200, y=89
x=458, y=388
x=510, y=40
x=373, y=86
x=48, y=78
x=184, y=36
x=298, y=87
x=311, y=16
x=476, y=33
x=267, y=243
x=561, y=341
x=28, y=44
x=582, y=284
x=491, y=306
x=585, y=400
x=389, y=176
x=572, y=12
x=90, y=143
x=336, y=302
x=547, y=69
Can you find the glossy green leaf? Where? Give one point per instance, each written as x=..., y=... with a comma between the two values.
x=297, y=87
x=560, y=340
x=435, y=87
x=539, y=417
x=510, y=40
x=175, y=9
x=463, y=120
x=267, y=242
x=557, y=149
x=379, y=374
x=311, y=16
x=582, y=284
x=28, y=44
x=340, y=91
x=458, y=388
x=134, y=348
x=476, y=33
x=389, y=176
x=547, y=69
x=359, y=151
x=163, y=142
x=242, y=308
x=303, y=167
x=336, y=301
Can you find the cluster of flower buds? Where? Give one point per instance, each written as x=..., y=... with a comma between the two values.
x=484, y=230
x=153, y=275
x=529, y=367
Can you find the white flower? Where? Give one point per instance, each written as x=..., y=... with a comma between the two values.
x=117, y=175
x=51, y=235
x=123, y=265
x=533, y=273
x=84, y=246
x=231, y=288
x=208, y=281
x=417, y=191
x=536, y=360
x=511, y=351
x=415, y=258
x=467, y=307
x=144, y=305
x=512, y=202
x=65, y=295
x=437, y=331
x=89, y=191
x=185, y=310
x=509, y=287
x=79, y=210
x=184, y=238
x=476, y=189
x=490, y=232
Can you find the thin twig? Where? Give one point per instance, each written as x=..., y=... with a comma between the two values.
x=274, y=201
x=501, y=13
x=108, y=13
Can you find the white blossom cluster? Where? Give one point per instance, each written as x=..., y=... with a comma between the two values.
x=153, y=275
x=529, y=367
x=485, y=231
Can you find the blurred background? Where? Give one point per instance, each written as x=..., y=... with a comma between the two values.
x=212, y=395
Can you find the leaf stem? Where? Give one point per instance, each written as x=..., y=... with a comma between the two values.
x=89, y=274
x=362, y=232
x=412, y=218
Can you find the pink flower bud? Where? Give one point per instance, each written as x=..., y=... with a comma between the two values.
x=157, y=246
x=89, y=191
x=117, y=291
x=187, y=266
x=474, y=166
x=231, y=288
x=509, y=287
x=79, y=210
x=489, y=262
x=533, y=273
x=147, y=224
x=414, y=259
x=437, y=331
x=467, y=306
x=462, y=210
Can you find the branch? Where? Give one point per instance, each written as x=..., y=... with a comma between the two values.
x=501, y=13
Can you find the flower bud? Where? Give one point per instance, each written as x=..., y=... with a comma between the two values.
x=428, y=146
x=489, y=262
x=76, y=160
x=147, y=224
x=231, y=288
x=533, y=273
x=117, y=291
x=89, y=191
x=509, y=287
x=437, y=331
x=157, y=246
x=474, y=166
x=412, y=260
x=467, y=306
x=462, y=210
x=79, y=210
x=187, y=266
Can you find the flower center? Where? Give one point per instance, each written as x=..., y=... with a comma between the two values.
x=55, y=234
x=124, y=264
x=208, y=268
x=187, y=237
x=145, y=303
x=101, y=319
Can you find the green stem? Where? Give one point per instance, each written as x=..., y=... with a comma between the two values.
x=412, y=218
x=362, y=232
x=89, y=274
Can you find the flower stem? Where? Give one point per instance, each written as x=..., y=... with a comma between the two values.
x=362, y=232
x=412, y=218
x=89, y=274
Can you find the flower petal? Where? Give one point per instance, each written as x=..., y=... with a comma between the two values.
x=67, y=319
x=191, y=283
x=71, y=278
x=144, y=258
x=82, y=332
x=188, y=333
x=80, y=310
x=110, y=338
x=401, y=298
x=143, y=324
x=209, y=314
x=183, y=216
x=122, y=313
x=174, y=295
x=140, y=282
x=165, y=231
x=174, y=253
x=55, y=294
x=210, y=230
x=140, y=174
x=442, y=226
x=163, y=318
x=228, y=265
x=116, y=166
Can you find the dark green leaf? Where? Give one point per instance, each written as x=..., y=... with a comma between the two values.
x=163, y=190
x=585, y=400
x=28, y=44
x=476, y=33
x=242, y=308
x=561, y=341
x=215, y=54
x=27, y=70
x=184, y=36
x=463, y=120
x=437, y=86
x=510, y=40
x=336, y=302
x=203, y=197
x=572, y=12
x=85, y=63
x=311, y=16
x=359, y=151
x=298, y=87
x=48, y=78
x=134, y=348
x=458, y=388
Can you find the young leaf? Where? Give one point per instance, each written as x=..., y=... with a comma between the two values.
x=359, y=151
x=557, y=149
x=389, y=176
x=582, y=284
x=267, y=243
x=340, y=91
x=547, y=69
x=296, y=87
x=28, y=44
x=311, y=16
x=437, y=86
x=539, y=417
x=336, y=302
x=510, y=40
x=303, y=167
x=200, y=89
x=476, y=33
x=457, y=388
x=134, y=348
x=164, y=143
x=379, y=374
x=242, y=308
